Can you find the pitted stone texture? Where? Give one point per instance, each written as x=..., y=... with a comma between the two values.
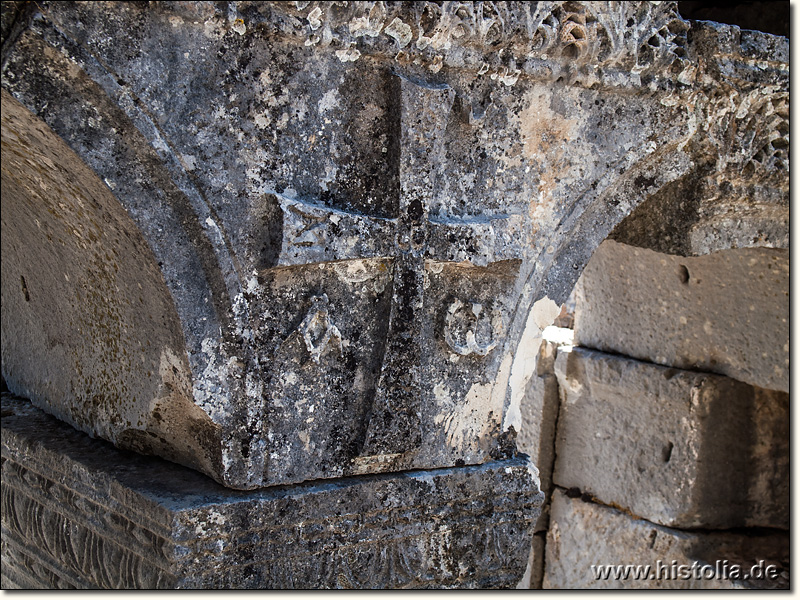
x=584, y=534
x=351, y=252
x=357, y=209
x=78, y=513
x=678, y=448
x=725, y=313
x=739, y=197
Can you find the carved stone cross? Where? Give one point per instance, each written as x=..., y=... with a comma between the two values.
x=315, y=234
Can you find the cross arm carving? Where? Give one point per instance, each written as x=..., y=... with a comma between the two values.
x=313, y=233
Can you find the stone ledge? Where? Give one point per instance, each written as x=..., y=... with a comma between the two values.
x=679, y=448
x=656, y=307
x=583, y=534
x=79, y=513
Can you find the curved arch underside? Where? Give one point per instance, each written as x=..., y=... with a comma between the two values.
x=357, y=223
x=89, y=330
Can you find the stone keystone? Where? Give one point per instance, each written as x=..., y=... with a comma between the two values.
x=408, y=245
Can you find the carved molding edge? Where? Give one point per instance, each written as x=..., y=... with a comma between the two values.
x=72, y=518
x=608, y=44
x=736, y=80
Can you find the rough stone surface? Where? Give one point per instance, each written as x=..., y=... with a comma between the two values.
x=366, y=213
x=737, y=197
x=539, y=414
x=78, y=513
x=538, y=436
x=583, y=534
x=727, y=312
x=675, y=447
x=89, y=330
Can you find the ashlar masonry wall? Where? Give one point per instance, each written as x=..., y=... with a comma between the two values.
x=659, y=458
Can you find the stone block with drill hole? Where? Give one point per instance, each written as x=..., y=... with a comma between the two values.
x=79, y=513
x=679, y=448
x=727, y=312
x=584, y=534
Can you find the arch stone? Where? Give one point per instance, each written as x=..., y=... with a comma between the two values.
x=388, y=202
x=90, y=331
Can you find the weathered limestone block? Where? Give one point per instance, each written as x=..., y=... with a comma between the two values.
x=365, y=214
x=678, y=448
x=538, y=434
x=727, y=312
x=739, y=196
x=540, y=409
x=89, y=329
x=539, y=413
x=584, y=535
x=348, y=243
x=78, y=513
